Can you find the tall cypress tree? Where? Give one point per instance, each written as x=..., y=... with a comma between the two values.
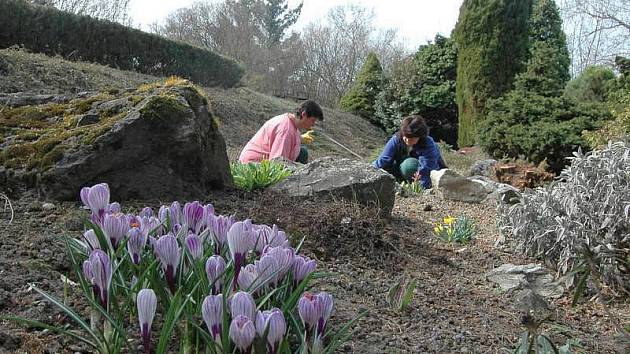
x=277, y=18
x=491, y=38
x=547, y=69
x=361, y=97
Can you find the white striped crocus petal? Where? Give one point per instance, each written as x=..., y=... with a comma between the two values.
x=273, y=322
x=136, y=243
x=194, y=246
x=215, y=267
x=168, y=252
x=212, y=313
x=242, y=332
x=147, y=304
x=242, y=303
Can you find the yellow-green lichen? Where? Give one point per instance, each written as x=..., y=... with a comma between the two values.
x=36, y=137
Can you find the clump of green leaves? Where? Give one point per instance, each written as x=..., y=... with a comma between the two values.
x=533, y=341
x=252, y=176
x=401, y=294
x=451, y=229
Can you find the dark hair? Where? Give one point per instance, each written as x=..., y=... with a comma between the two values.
x=413, y=127
x=311, y=108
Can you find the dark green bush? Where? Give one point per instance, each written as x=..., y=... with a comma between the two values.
x=537, y=128
x=52, y=32
x=362, y=95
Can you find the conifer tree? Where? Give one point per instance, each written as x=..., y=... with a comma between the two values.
x=277, y=18
x=491, y=39
x=361, y=97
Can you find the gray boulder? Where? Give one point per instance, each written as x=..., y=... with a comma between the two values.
x=20, y=99
x=341, y=178
x=450, y=185
x=167, y=146
x=511, y=277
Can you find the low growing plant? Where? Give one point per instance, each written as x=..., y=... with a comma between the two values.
x=211, y=283
x=252, y=176
x=401, y=294
x=451, y=229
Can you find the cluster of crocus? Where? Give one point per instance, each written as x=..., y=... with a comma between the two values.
x=228, y=270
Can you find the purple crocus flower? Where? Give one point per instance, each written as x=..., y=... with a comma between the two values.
x=262, y=235
x=242, y=332
x=273, y=322
x=215, y=267
x=91, y=239
x=114, y=208
x=193, y=216
x=152, y=225
x=307, y=310
x=268, y=268
x=168, y=252
x=219, y=227
x=247, y=277
x=302, y=267
x=284, y=258
x=240, y=242
x=147, y=304
x=194, y=246
x=115, y=226
x=146, y=212
x=212, y=313
x=323, y=307
x=278, y=238
x=99, y=272
x=96, y=198
x=136, y=243
x=175, y=213
x=242, y=303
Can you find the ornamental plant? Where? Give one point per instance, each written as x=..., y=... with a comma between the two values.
x=451, y=229
x=213, y=283
x=252, y=176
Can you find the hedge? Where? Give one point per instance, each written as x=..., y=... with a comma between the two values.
x=53, y=32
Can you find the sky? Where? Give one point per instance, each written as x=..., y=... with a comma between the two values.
x=417, y=21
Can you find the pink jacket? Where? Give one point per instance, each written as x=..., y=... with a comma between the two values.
x=279, y=136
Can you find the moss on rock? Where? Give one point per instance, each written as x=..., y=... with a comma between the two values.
x=36, y=137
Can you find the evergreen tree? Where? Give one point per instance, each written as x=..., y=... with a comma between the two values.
x=547, y=69
x=277, y=18
x=362, y=95
x=491, y=39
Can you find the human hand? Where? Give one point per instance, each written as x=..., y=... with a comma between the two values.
x=307, y=138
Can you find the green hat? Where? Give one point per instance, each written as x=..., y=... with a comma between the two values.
x=409, y=167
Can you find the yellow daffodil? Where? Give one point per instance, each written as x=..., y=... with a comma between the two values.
x=449, y=220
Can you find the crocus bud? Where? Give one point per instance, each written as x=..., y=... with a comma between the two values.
x=101, y=269
x=96, y=198
x=212, y=313
x=168, y=252
x=219, y=225
x=242, y=303
x=193, y=216
x=146, y=212
x=136, y=243
x=273, y=322
x=284, y=258
x=147, y=304
x=115, y=226
x=175, y=213
x=268, y=268
x=323, y=307
x=247, y=278
x=307, y=310
x=242, y=332
x=278, y=238
x=240, y=242
x=215, y=267
x=91, y=239
x=262, y=236
x=194, y=246
x=114, y=208
x=302, y=267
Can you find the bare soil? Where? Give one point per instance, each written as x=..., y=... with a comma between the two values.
x=454, y=308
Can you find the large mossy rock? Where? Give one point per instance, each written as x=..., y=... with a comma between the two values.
x=159, y=141
x=343, y=178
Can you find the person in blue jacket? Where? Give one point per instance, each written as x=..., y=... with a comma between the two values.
x=411, y=150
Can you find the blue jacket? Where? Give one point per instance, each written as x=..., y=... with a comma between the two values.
x=426, y=151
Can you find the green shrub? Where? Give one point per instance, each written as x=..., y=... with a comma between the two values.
x=460, y=230
x=537, y=128
x=252, y=176
x=361, y=97
x=592, y=85
x=582, y=214
x=613, y=130
x=52, y=32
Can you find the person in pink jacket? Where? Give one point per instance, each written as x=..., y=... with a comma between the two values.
x=280, y=136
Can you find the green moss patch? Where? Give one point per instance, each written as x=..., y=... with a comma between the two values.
x=36, y=137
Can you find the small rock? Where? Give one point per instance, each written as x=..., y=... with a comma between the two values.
x=427, y=207
x=34, y=206
x=48, y=206
x=87, y=119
